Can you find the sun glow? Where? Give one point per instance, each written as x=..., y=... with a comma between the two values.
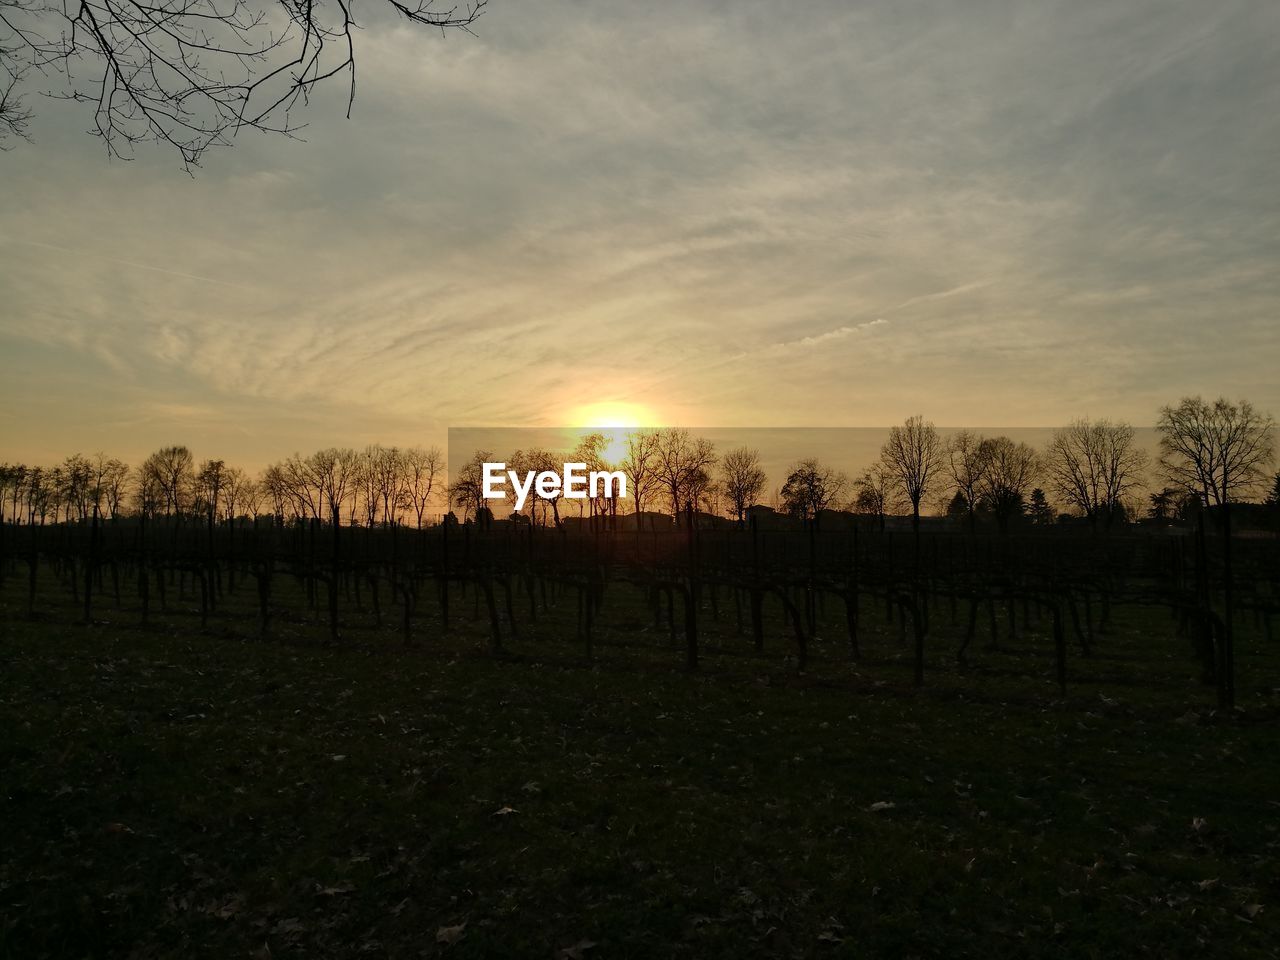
x=613, y=415
x=614, y=420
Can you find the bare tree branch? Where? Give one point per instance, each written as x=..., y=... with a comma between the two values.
x=189, y=74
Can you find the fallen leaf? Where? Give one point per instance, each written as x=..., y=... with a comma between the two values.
x=450, y=935
x=334, y=891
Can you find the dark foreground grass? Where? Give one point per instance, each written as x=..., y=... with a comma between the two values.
x=178, y=793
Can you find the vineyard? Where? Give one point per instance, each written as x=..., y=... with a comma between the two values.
x=785, y=595
x=476, y=740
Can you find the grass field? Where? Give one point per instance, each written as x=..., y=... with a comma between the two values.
x=183, y=793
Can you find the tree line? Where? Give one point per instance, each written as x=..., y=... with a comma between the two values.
x=1210, y=453
x=378, y=484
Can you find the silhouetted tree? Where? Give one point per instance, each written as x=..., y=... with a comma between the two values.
x=1169, y=503
x=912, y=456
x=73, y=479
x=1220, y=450
x=539, y=460
x=111, y=478
x=1094, y=465
x=590, y=451
x=187, y=73
x=810, y=488
x=389, y=476
x=370, y=503
x=302, y=486
x=167, y=477
x=380, y=483
x=467, y=489
x=241, y=495
x=14, y=68
x=13, y=478
x=1273, y=501
x=641, y=466
x=872, y=492
x=742, y=479
x=1009, y=468
x=682, y=465
x=210, y=482
x=422, y=469
x=966, y=464
x=40, y=492
x=274, y=485
x=1038, y=508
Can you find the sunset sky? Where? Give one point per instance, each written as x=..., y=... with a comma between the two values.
x=734, y=213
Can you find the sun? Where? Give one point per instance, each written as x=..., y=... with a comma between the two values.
x=614, y=419
x=613, y=415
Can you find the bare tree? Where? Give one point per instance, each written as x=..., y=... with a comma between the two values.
x=422, y=469
x=742, y=478
x=15, y=65
x=1219, y=450
x=682, y=464
x=334, y=470
x=168, y=474
x=302, y=486
x=254, y=497
x=467, y=489
x=702, y=493
x=967, y=467
x=871, y=495
x=590, y=451
x=640, y=465
x=389, y=482
x=539, y=460
x=912, y=456
x=367, y=483
x=1009, y=471
x=40, y=494
x=237, y=493
x=13, y=478
x=8, y=478
x=111, y=479
x=210, y=482
x=1094, y=465
x=190, y=74
x=74, y=478
x=274, y=486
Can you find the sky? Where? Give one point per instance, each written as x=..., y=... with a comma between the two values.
x=732, y=213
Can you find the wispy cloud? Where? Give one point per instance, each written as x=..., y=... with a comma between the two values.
x=728, y=214
x=839, y=333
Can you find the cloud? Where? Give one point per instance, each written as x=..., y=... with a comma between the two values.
x=672, y=209
x=839, y=333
